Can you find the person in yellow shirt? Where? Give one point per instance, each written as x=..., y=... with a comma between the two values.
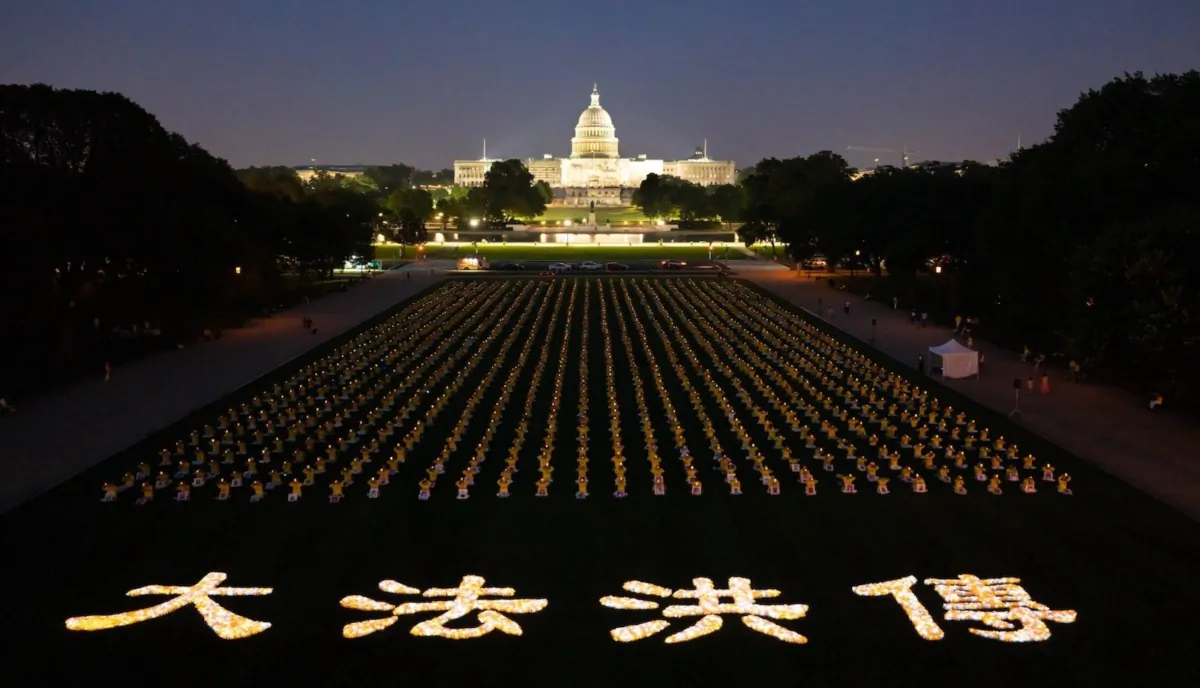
x=373, y=487
x=257, y=491
x=772, y=485
x=462, y=484
x=620, y=492
x=296, y=486
x=1028, y=485
x=222, y=490
x=503, y=483
x=810, y=486
x=1064, y=482
x=347, y=477
x=659, y=487
x=110, y=492
x=581, y=487
x=735, y=485
x=847, y=484
x=147, y=494
x=336, y=490
x=960, y=485
x=542, y=487
x=980, y=473
x=696, y=487
x=425, y=484
x=881, y=486
x=994, y=485
x=183, y=492
x=918, y=484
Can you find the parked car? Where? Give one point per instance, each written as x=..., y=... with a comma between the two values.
x=672, y=265
x=559, y=268
x=590, y=265
x=615, y=267
x=814, y=263
x=509, y=266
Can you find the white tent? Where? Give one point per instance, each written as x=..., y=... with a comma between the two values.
x=958, y=361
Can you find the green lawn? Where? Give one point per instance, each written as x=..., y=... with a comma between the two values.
x=499, y=252
x=1123, y=562
x=603, y=215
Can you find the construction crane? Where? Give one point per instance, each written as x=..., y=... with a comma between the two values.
x=903, y=152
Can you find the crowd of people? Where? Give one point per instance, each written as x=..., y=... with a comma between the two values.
x=770, y=393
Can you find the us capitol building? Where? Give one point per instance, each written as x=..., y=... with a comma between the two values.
x=596, y=172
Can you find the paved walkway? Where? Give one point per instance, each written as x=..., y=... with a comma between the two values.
x=1156, y=452
x=61, y=434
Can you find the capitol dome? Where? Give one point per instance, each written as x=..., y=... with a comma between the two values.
x=595, y=135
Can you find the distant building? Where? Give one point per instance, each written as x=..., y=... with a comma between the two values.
x=307, y=172
x=595, y=171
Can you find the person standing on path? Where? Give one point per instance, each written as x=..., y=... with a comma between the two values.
x=924, y=318
x=921, y=363
x=1045, y=383
x=847, y=308
x=895, y=303
x=107, y=371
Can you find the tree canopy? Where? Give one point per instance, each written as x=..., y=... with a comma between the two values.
x=509, y=192
x=1079, y=245
x=109, y=222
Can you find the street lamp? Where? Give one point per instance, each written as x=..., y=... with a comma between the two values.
x=474, y=222
x=938, y=269
x=237, y=270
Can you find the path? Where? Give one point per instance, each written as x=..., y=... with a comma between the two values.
x=61, y=434
x=1155, y=452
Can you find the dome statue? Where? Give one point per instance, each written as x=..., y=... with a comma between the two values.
x=595, y=135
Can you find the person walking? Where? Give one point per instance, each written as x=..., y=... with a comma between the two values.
x=921, y=363
x=846, y=308
x=1045, y=383
x=895, y=303
x=107, y=371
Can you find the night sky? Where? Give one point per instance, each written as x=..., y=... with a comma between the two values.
x=346, y=82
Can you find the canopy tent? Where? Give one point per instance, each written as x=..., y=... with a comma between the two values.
x=958, y=361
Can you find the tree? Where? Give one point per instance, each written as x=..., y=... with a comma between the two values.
x=390, y=178
x=654, y=196
x=411, y=209
x=509, y=192
x=778, y=191
x=278, y=180
x=728, y=202
x=195, y=245
x=443, y=177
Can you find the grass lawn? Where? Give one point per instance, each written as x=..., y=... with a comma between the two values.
x=500, y=252
x=696, y=350
x=603, y=215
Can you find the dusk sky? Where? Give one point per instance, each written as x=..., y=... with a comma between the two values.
x=264, y=83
